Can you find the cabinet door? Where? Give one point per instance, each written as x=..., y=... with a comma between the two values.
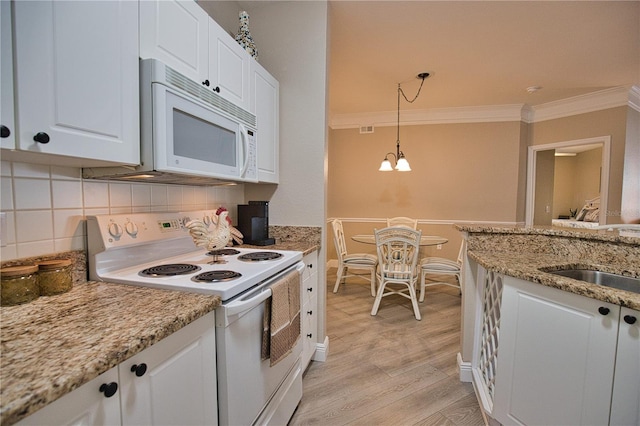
x=77, y=64
x=625, y=404
x=176, y=33
x=309, y=312
x=556, y=355
x=86, y=405
x=228, y=66
x=173, y=381
x=265, y=104
x=6, y=78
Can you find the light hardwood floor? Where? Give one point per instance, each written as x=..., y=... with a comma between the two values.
x=388, y=369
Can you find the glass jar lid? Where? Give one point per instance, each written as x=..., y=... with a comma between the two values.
x=16, y=271
x=48, y=265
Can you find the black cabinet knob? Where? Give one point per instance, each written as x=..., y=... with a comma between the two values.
x=206, y=83
x=310, y=289
x=629, y=319
x=309, y=312
x=603, y=310
x=216, y=89
x=41, y=137
x=311, y=265
x=4, y=131
x=309, y=335
x=109, y=389
x=139, y=369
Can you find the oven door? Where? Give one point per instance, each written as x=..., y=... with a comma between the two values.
x=250, y=391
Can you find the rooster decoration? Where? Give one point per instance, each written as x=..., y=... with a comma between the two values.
x=222, y=234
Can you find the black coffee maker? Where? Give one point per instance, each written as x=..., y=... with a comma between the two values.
x=253, y=222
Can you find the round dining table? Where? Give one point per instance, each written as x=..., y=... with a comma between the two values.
x=425, y=240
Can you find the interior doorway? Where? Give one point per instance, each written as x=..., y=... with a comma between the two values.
x=540, y=176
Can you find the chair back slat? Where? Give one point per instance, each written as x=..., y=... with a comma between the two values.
x=398, y=248
x=402, y=221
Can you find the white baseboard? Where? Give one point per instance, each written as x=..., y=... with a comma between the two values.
x=464, y=370
x=322, y=350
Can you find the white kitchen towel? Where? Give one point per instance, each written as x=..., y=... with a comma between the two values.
x=285, y=316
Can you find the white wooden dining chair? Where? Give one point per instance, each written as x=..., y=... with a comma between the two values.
x=398, y=248
x=402, y=221
x=441, y=266
x=353, y=261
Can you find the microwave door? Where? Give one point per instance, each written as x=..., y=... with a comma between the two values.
x=191, y=138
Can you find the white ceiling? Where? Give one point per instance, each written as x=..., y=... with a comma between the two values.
x=479, y=53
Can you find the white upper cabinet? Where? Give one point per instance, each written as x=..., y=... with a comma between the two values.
x=228, y=66
x=7, y=139
x=265, y=102
x=175, y=32
x=77, y=81
x=182, y=35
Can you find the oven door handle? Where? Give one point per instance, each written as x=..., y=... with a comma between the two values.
x=242, y=305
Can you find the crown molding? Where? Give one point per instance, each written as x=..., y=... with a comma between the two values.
x=590, y=102
x=479, y=114
x=596, y=101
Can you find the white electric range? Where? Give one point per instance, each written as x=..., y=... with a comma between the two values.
x=155, y=250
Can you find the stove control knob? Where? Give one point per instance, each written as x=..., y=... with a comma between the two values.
x=115, y=230
x=131, y=228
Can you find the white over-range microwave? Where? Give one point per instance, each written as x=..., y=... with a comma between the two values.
x=188, y=134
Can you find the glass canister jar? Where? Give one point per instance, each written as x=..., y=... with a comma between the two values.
x=54, y=276
x=18, y=284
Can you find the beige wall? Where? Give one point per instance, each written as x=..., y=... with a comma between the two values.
x=545, y=176
x=460, y=172
x=631, y=183
x=611, y=122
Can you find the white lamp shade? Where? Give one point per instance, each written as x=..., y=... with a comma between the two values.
x=385, y=166
x=403, y=165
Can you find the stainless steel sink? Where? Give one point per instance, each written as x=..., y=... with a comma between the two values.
x=601, y=278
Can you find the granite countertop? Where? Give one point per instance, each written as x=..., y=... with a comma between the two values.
x=522, y=251
x=55, y=344
x=526, y=266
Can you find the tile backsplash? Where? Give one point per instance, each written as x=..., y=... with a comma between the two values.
x=45, y=206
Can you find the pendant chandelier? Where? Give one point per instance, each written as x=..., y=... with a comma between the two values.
x=402, y=165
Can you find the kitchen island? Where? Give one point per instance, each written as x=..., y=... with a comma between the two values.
x=55, y=344
x=546, y=349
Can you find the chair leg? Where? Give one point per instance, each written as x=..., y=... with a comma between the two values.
x=341, y=271
x=422, y=274
x=414, y=301
x=373, y=283
x=376, y=302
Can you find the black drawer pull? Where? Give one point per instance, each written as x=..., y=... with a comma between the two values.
x=109, y=389
x=139, y=369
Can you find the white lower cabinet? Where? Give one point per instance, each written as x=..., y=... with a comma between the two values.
x=556, y=358
x=171, y=382
x=625, y=403
x=87, y=405
x=309, y=311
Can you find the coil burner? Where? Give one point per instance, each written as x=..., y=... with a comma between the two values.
x=217, y=255
x=259, y=256
x=216, y=276
x=168, y=270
